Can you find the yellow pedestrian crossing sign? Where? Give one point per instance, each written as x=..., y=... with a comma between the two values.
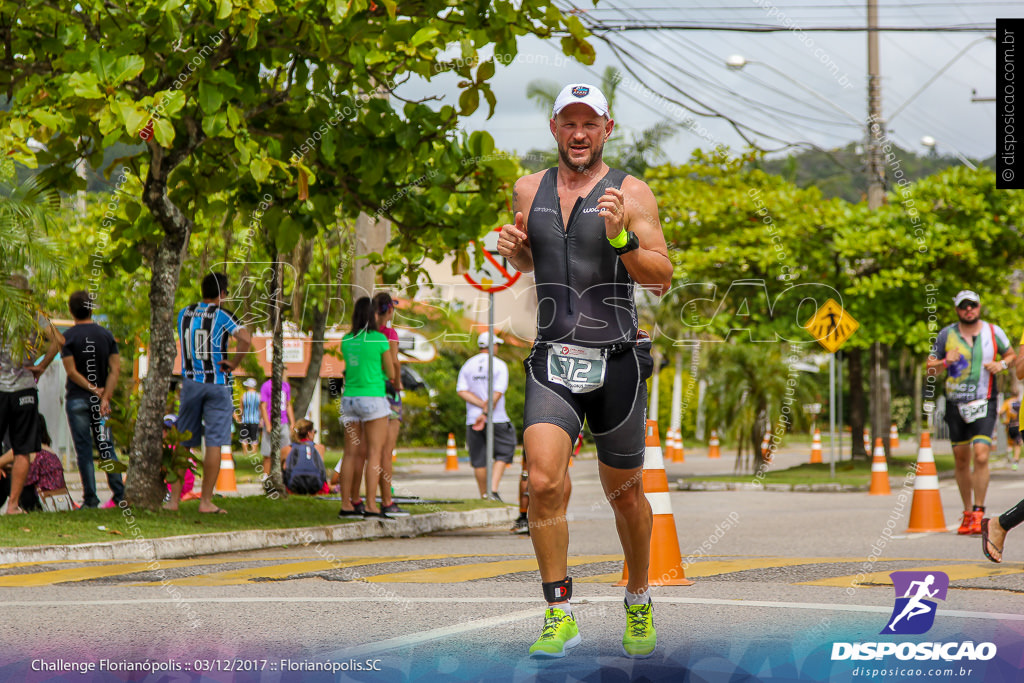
x=831, y=326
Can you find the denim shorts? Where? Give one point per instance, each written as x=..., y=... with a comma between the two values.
x=205, y=410
x=364, y=408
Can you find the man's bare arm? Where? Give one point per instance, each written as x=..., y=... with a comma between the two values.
x=635, y=209
x=513, y=242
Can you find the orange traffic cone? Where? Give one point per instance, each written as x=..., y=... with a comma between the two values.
x=669, y=451
x=576, y=451
x=926, y=508
x=679, y=455
x=452, y=455
x=816, y=446
x=766, y=451
x=226, y=478
x=666, y=567
x=879, y=471
x=867, y=442
x=713, y=450
x=394, y=455
x=894, y=437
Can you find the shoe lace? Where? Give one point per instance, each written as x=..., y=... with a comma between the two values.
x=637, y=618
x=552, y=621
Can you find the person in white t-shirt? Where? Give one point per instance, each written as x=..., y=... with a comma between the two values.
x=472, y=388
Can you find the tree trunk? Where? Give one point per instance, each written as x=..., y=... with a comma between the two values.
x=371, y=237
x=855, y=373
x=144, y=487
x=303, y=395
x=275, y=482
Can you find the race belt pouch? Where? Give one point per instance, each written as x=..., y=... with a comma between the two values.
x=973, y=410
x=579, y=368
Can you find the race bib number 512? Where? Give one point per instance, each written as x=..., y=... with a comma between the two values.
x=579, y=368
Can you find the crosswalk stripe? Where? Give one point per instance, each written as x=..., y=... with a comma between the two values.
x=105, y=571
x=956, y=572
x=481, y=570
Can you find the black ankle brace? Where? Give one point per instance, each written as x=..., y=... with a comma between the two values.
x=558, y=591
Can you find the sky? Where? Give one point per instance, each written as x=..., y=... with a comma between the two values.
x=799, y=87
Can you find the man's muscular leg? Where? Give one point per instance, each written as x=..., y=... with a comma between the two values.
x=633, y=520
x=549, y=448
x=981, y=475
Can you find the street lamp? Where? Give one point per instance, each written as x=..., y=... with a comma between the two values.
x=930, y=142
x=737, y=62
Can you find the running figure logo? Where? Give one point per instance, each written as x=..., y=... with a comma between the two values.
x=913, y=613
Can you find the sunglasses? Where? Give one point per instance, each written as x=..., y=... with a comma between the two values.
x=967, y=305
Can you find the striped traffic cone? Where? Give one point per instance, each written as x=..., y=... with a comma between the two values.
x=713, y=449
x=867, y=442
x=816, y=446
x=766, y=451
x=926, y=508
x=894, y=437
x=452, y=454
x=226, y=478
x=879, y=471
x=679, y=455
x=669, y=451
x=666, y=568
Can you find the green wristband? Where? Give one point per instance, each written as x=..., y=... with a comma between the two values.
x=619, y=240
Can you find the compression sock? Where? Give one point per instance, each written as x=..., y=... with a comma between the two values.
x=1012, y=517
x=633, y=599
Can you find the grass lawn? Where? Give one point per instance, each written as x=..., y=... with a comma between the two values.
x=249, y=512
x=852, y=473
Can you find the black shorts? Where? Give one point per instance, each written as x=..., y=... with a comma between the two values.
x=249, y=432
x=980, y=431
x=616, y=412
x=504, y=444
x=1013, y=434
x=19, y=413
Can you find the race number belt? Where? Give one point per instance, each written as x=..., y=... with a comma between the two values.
x=973, y=410
x=579, y=368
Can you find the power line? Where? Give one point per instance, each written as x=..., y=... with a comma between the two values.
x=771, y=28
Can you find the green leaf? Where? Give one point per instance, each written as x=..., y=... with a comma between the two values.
x=210, y=97
x=134, y=118
x=163, y=131
x=425, y=34
x=469, y=100
x=47, y=118
x=259, y=169
x=171, y=5
x=485, y=71
x=171, y=102
x=85, y=85
x=224, y=9
x=127, y=68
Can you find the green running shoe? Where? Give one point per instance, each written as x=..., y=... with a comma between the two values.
x=560, y=634
x=640, y=638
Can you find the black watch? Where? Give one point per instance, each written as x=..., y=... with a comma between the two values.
x=632, y=244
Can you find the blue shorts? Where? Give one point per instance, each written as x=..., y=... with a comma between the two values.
x=363, y=408
x=205, y=409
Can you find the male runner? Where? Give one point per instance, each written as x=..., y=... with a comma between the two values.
x=589, y=233
x=968, y=351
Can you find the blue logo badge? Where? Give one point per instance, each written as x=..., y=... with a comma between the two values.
x=914, y=613
x=580, y=91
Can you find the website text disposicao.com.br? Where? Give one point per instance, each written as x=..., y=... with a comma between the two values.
x=904, y=673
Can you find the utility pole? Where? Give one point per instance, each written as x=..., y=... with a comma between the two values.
x=876, y=196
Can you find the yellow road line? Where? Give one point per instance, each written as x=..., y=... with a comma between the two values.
x=281, y=571
x=86, y=573
x=956, y=572
x=716, y=567
x=480, y=570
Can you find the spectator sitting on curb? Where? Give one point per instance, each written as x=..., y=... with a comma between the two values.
x=306, y=473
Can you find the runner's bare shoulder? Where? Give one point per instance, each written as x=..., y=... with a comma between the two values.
x=523, y=193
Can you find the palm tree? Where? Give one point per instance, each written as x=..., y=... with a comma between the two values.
x=28, y=213
x=634, y=155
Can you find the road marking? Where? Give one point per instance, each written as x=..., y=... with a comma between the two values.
x=105, y=571
x=956, y=572
x=281, y=571
x=481, y=570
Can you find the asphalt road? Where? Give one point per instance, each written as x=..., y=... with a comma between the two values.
x=772, y=593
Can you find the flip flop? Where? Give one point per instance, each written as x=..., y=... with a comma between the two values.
x=218, y=511
x=985, y=543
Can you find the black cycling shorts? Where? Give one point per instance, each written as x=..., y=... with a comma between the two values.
x=616, y=412
x=979, y=431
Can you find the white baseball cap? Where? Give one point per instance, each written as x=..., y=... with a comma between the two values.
x=484, y=340
x=249, y=382
x=966, y=295
x=581, y=92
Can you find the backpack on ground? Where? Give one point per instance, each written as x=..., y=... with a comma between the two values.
x=304, y=470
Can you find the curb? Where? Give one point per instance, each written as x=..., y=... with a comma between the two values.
x=683, y=485
x=175, y=547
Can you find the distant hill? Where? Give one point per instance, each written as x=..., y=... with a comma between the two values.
x=840, y=172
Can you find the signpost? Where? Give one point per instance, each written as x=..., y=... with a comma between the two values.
x=831, y=326
x=494, y=275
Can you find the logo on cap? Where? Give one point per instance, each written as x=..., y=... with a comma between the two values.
x=580, y=91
